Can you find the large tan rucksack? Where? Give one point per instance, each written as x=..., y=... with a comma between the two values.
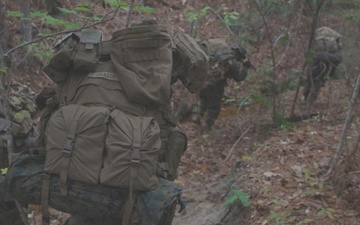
x=112, y=126
x=327, y=39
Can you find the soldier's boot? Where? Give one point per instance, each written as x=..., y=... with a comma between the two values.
x=10, y=217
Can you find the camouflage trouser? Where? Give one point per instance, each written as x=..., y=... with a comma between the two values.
x=81, y=220
x=210, y=101
x=313, y=86
x=9, y=214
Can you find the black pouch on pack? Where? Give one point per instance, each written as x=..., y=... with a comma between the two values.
x=62, y=60
x=88, y=51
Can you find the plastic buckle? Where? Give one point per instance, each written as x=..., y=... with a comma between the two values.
x=68, y=147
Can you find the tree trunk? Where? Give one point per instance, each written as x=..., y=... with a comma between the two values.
x=2, y=30
x=25, y=25
x=51, y=6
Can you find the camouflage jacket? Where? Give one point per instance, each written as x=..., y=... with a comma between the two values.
x=222, y=62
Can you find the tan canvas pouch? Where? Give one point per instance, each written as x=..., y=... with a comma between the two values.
x=88, y=51
x=132, y=148
x=75, y=142
x=142, y=56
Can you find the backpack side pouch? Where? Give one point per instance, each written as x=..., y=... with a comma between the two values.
x=88, y=51
x=75, y=142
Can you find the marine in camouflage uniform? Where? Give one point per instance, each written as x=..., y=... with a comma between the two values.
x=225, y=63
x=324, y=61
x=22, y=110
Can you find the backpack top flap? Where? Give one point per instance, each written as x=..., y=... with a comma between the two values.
x=191, y=62
x=217, y=49
x=142, y=55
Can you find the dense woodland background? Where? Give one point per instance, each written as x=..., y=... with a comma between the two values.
x=271, y=158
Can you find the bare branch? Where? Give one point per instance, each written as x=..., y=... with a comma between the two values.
x=256, y=3
x=64, y=32
x=292, y=36
x=222, y=20
x=236, y=142
x=128, y=17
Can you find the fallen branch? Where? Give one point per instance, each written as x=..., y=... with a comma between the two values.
x=294, y=118
x=236, y=142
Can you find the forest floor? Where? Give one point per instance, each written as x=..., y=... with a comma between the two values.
x=280, y=169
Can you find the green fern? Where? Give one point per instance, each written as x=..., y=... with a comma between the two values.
x=237, y=195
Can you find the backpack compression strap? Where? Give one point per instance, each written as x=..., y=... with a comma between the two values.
x=67, y=151
x=135, y=161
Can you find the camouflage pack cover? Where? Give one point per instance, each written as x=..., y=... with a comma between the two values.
x=219, y=54
x=24, y=183
x=22, y=109
x=327, y=39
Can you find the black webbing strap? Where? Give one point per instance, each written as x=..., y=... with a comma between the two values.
x=127, y=209
x=135, y=153
x=135, y=161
